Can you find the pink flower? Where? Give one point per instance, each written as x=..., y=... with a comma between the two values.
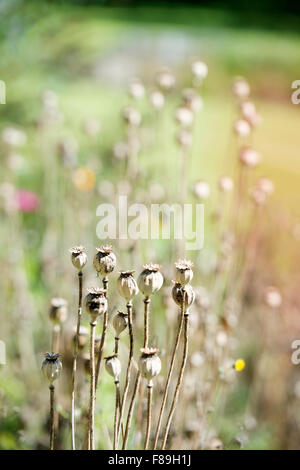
x=27, y=201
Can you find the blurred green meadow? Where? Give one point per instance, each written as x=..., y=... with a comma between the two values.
x=87, y=56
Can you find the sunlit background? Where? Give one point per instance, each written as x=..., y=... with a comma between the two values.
x=67, y=67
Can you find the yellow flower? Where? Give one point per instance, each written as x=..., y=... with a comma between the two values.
x=84, y=179
x=239, y=365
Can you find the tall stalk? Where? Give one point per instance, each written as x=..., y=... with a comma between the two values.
x=52, y=417
x=129, y=365
x=103, y=335
x=92, y=387
x=162, y=408
x=149, y=416
x=180, y=377
x=75, y=358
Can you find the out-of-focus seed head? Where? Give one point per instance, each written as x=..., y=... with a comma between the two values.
x=96, y=302
x=225, y=184
x=184, y=272
x=157, y=99
x=266, y=185
x=202, y=190
x=177, y=294
x=242, y=128
x=258, y=196
x=184, y=138
x=272, y=297
x=132, y=116
x=184, y=116
x=215, y=444
x=165, y=80
x=248, y=109
x=136, y=89
x=58, y=311
x=240, y=88
x=78, y=257
x=51, y=367
x=127, y=285
x=120, y=323
x=192, y=100
x=149, y=363
x=121, y=150
x=82, y=337
x=249, y=157
x=199, y=69
x=150, y=280
x=113, y=366
x=105, y=260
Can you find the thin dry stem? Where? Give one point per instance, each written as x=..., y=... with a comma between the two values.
x=149, y=416
x=52, y=412
x=92, y=387
x=117, y=407
x=179, y=381
x=162, y=408
x=79, y=313
x=146, y=321
x=129, y=365
x=103, y=335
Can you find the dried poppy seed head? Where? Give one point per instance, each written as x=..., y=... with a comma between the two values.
x=150, y=280
x=202, y=190
x=225, y=184
x=192, y=100
x=184, y=138
x=249, y=157
x=248, y=109
x=242, y=128
x=131, y=116
x=105, y=260
x=58, y=310
x=184, y=273
x=272, y=297
x=120, y=322
x=177, y=294
x=51, y=367
x=136, y=89
x=78, y=257
x=199, y=69
x=149, y=363
x=184, y=116
x=82, y=337
x=96, y=302
x=113, y=366
x=240, y=88
x=157, y=99
x=266, y=185
x=165, y=79
x=127, y=285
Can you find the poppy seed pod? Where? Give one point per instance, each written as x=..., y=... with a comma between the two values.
x=184, y=273
x=249, y=157
x=225, y=184
x=184, y=138
x=202, y=190
x=184, y=116
x=120, y=322
x=157, y=99
x=136, y=89
x=240, y=87
x=150, y=280
x=149, y=363
x=242, y=128
x=177, y=294
x=51, y=367
x=132, y=116
x=78, y=257
x=199, y=69
x=95, y=302
x=165, y=80
x=104, y=260
x=58, y=310
x=113, y=366
x=192, y=100
x=127, y=285
x=82, y=337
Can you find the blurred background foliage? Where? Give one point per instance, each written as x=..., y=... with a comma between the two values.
x=87, y=52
